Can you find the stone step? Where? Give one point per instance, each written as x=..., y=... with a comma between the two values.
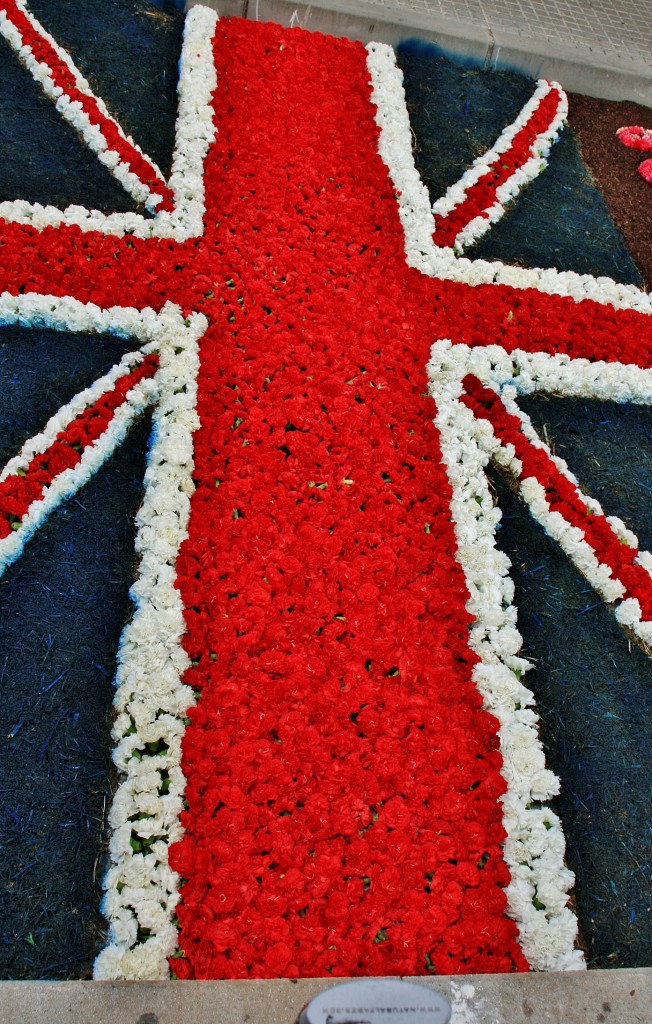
x=586, y=997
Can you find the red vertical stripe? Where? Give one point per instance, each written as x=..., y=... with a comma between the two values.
x=343, y=779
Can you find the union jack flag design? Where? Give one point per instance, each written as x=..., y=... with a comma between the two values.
x=321, y=723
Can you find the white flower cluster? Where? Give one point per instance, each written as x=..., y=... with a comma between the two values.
x=572, y=377
x=195, y=128
x=69, y=315
x=523, y=175
x=395, y=148
x=534, y=847
x=151, y=700
x=194, y=133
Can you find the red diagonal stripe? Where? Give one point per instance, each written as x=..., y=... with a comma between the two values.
x=62, y=77
x=20, y=490
x=481, y=196
x=562, y=495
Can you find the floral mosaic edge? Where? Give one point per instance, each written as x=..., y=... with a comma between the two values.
x=142, y=890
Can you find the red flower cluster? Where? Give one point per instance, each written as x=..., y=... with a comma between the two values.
x=636, y=137
x=19, y=490
x=535, y=322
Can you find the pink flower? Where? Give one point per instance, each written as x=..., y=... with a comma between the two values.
x=636, y=137
x=645, y=170
x=639, y=138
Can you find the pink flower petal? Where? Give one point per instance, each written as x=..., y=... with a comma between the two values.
x=635, y=137
x=645, y=170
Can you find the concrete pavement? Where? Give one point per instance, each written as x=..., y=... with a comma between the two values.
x=588, y=997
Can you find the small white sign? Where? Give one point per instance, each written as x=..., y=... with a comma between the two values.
x=372, y=1000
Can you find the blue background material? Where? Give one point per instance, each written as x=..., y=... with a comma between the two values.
x=560, y=220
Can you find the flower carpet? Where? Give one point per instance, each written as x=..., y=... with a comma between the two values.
x=328, y=758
